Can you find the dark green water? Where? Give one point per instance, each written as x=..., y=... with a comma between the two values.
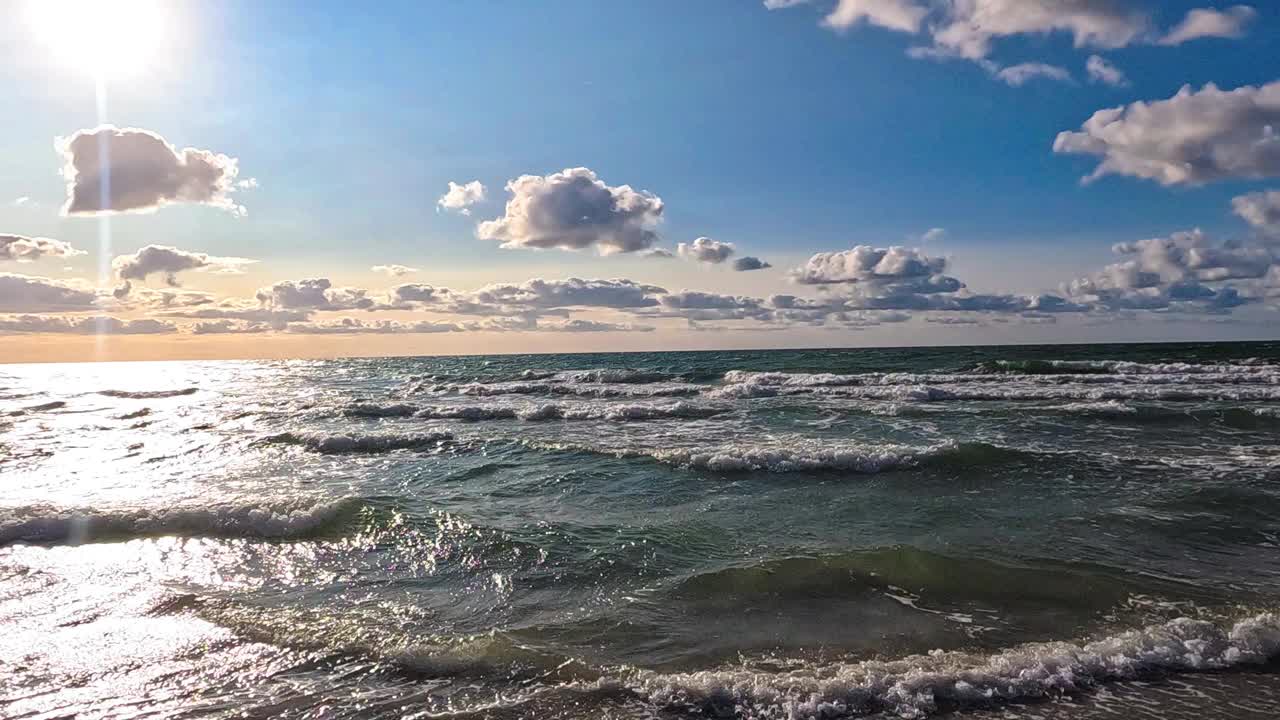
x=1057, y=532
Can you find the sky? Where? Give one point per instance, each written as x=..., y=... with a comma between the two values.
x=241, y=179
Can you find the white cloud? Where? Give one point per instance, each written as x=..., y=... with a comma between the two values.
x=971, y=25
x=1185, y=271
x=144, y=173
x=1209, y=23
x=1261, y=210
x=228, y=327
x=81, y=325
x=24, y=293
x=459, y=198
x=901, y=15
x=19, y=202
x=1101, y=71
x=168, y=261
x=394, y=270
x=865, y=263
x=706, y=250
x=747, y=263
x=276, y=319
x=1021, y=74
x=1192, y=138
x=933, y=235
x=573, y=210
x=313, y=294
x=28, y=249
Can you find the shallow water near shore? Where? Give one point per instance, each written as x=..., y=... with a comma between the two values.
x=1006, y=532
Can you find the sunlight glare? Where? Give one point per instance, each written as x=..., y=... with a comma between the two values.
x=103, y=38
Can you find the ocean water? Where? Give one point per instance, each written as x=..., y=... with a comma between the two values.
x=1030, y=532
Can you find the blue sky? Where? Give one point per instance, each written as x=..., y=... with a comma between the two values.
x=758, y=127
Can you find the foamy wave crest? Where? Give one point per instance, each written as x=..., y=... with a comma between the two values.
x=343, y=443
x=921, y=686
x=148, y=394
x=800, y=456
x=266, y=519
x=1123, y=367
x=1010, y=392
x=615, y=375
x=546, y=411
x=553, y=387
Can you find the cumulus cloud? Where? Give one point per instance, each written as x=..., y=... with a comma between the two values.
x=1185, y=271
x=24, y=293
x=100, y=325
x=275, y=319
x=228, y=327
x=460, y=198
x=1261, y=210
x=28, y=249
x=747, y=263
x=592, y=326
x=658, y=253
x=394, y=270
x=352, y=326
x=706, y=250
x=1023, y=73
x=574, y=210
x=313, y=294
x=970, y=26
x=901, y=15
x=538, y=294
x=1101, y=71
x=865, y=263
x=1192, y=138
x=1209, y=23
x=110, y=169
x=168, y=261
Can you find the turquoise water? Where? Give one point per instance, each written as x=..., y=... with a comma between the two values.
x=1057, y=532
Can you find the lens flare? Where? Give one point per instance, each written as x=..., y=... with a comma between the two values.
x=103, y=38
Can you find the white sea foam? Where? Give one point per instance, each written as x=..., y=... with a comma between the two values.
x=264, y=518
x=1011, y=391
x=536, y=412
x=551, y=387
x=1125, y=367
x=920, y=686
x=341, y=443
x=802, y=455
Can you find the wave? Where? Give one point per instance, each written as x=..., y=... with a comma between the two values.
x=548, y=411
x=148, y=394
x=806, y=455
x=346, y=443
x=932, y=577
x=1120, y=367
x=555, y=386
x=1009, y=392
x=54, y=405
x=924, y=685
x=1237, y=417
x=615, y=375
x=818, y=380
x=286, y=518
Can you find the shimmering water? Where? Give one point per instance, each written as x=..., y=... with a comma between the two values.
x=1036, y=532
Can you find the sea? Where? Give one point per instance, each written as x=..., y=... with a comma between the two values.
x=1047, y=532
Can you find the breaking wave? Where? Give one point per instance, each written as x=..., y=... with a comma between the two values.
x=556, y=387
x=546, y=411
x=285, y=518
x=805, y=455
x=350, y=443
x=54, y=405
x=1119, y=367
x=924, y=685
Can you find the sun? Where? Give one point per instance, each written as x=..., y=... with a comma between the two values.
x=102, y=38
